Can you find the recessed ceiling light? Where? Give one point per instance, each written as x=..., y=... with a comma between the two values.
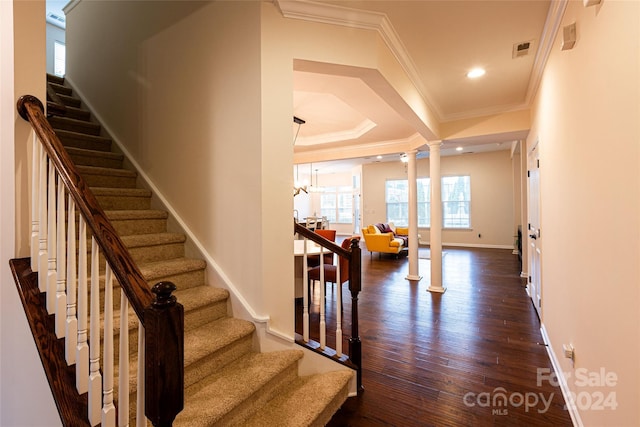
x=378, y=157
x=459, y=148
x=475, y=73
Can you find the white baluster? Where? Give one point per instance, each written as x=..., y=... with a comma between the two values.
x=323, y=320
x=108, y=408
x=141, y=420
x=35, y=202
x=95, y=378
x=82, y=348
x=339, y=310
x=43, y=259
x=72, y=320
x=306, y=296
x=123, y=374
x=52, y=275
x=61, y=286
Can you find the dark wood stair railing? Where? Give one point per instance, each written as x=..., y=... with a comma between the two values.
x=355, y=286
x=161, y=316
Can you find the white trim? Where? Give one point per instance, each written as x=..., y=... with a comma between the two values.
x=562, y=380
x=470, y=245
x=69, y=7
x=210, y=261
x=376, y=21
x=366, y=20
x=547, y=38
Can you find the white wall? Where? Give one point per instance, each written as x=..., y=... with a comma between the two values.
x=23, y=385
x=492, y=212
x=586, y=119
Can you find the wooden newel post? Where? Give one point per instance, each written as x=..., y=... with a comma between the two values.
x=164, y=356
x=355, y=286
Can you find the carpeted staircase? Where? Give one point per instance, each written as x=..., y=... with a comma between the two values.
x=226, y=381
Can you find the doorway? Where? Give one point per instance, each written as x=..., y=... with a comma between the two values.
x=534, y=287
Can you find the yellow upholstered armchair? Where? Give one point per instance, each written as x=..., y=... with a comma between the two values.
x=377, y=241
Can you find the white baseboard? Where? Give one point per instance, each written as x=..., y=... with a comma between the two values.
x=562, y=380
x=469, y=245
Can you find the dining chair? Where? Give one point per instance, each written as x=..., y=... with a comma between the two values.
x=314, y=260
x=311, y=223
x=331, y=270
x=324, y=223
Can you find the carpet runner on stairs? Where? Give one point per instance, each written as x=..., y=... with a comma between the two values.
x=226, y=381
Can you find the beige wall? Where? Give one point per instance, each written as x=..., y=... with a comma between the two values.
x=23, y=385
x=586, y=119
x=491, y=196
x=184, y=100
x=203, y=103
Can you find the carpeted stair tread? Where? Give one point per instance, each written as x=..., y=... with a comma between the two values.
x=308, y=401
x=58, y=87
x=136, y=214
x=52, y=78
x=81, y=140
x=200, y=296
x=214, y=336
x=95, y=170
x=183, y=272
x=83, y=152
x=68, y=123
x=230, y=387
x=108, y=177
x=155, y=239
x=72, y=112
x=138, y=221
x=155, y=270
x=191, y=299
x=126, y=192
x=70, y=100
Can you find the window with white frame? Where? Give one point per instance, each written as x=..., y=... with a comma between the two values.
x=336, y=203
x=397, y=198
x=456, y=202
x=59, y=58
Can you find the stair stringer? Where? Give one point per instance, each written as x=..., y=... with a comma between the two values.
x=268, y=339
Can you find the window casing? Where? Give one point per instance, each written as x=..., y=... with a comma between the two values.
x=336, y=203
x=456, y=201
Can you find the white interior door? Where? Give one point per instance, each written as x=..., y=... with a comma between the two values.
x=534, y=235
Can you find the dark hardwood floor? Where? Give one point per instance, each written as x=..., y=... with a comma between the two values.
x=468, y=357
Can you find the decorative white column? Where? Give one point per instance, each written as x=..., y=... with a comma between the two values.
x=413, y=216
x=436, y=218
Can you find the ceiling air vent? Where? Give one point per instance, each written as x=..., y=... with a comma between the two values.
x=522, y=49
x=55, y=17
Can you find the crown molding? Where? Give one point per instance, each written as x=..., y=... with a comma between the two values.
x=359, y=19
x=375, y=21
x=363, y=127
x=353, y=151
x=547, y=38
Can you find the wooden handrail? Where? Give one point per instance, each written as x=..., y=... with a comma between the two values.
x=321, y=240
x=160, y=315
x=115, y=252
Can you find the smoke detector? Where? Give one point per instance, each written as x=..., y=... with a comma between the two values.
x=522, y=49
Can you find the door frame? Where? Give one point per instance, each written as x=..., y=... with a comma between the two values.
x=534, y=236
